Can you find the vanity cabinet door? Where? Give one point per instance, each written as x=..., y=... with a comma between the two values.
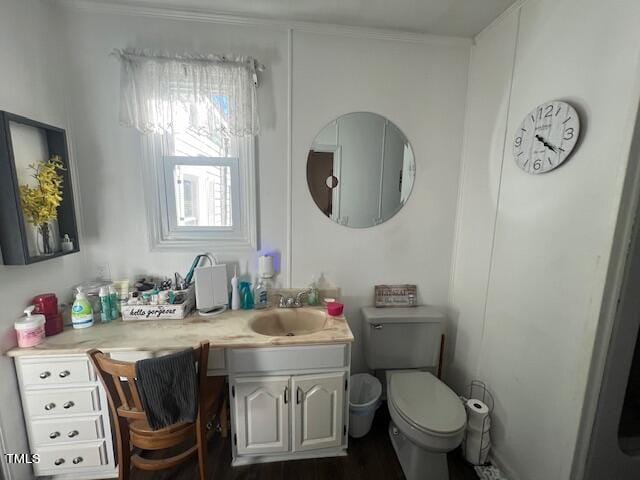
x=261, y=414
x=318, y=402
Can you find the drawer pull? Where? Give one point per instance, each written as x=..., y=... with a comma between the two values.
x=73, y=433
x=77, y=460
x=68, y=405
x=53, y=435
x=59, y=461
x=64, y=373
x=44, y=375
x=50, y=406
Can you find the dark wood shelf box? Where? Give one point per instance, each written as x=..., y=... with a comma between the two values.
x=14, y=230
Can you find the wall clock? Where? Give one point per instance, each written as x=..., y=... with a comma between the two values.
x=546, y=137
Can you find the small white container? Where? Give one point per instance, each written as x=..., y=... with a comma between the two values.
x=30, y=329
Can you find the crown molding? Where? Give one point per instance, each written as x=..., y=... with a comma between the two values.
x=153, y=10
x=499, y=19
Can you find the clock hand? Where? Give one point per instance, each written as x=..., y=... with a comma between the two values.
x=548, y=145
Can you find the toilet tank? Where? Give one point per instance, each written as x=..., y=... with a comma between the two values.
x=402, y=337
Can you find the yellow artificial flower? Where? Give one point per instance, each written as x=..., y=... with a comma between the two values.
x=40, y=204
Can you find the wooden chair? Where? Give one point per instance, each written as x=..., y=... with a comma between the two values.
x=130, y=420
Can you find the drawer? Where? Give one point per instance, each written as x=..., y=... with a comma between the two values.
x=62, y=430
x=70, y=457
x=62, y=401
x=56, y=371
x=245, y=360
x=131, y=356
x=216, y=358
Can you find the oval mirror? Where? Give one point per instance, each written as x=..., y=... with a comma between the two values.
x=360, y=170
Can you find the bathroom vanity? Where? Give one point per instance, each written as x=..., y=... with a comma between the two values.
x=288, y=385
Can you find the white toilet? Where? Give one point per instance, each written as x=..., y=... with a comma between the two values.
x=428, y=418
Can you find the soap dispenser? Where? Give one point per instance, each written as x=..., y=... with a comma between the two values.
x=313, y=297
x=81, y=312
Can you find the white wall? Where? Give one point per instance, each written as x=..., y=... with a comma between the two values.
x=31, y=84
x=109, y=156
x=532, y=251
x=419, y=87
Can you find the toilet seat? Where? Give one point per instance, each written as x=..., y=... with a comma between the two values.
x=427, y=404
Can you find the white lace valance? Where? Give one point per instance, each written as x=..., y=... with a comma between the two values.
x=164, y=93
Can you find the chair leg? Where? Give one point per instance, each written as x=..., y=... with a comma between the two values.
x=224, y=418
x=124, y=450
x=201, y=438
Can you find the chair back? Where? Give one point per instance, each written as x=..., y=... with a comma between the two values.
x=120, y=382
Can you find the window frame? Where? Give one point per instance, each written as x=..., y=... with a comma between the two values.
x=243, y=236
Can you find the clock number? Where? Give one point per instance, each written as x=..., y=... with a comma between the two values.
x=568, y=133
x=537, y=165
x=549, y=111
x=518, y=142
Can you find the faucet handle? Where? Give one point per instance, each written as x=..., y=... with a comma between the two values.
x=299, y=296
x=282, y=303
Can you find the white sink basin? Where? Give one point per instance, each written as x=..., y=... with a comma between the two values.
x=288, y=322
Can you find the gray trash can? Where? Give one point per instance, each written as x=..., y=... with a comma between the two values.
x=364, y=400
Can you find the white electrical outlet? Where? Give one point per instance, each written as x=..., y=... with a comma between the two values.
x=103, y=272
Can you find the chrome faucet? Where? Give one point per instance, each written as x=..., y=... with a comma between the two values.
x=292, y=302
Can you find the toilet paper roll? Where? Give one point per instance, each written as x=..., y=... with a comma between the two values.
x=477, y=412
x=476, y=447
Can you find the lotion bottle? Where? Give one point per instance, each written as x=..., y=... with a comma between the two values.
x=235, y=293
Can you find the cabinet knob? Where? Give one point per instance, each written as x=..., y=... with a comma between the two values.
x=77, y=460
x=64, y=373
x=59, y=461
x=50, y=406
x=53, y=435
x=44, y=375
x=73, y=433
x=68, y=405
x=286, y=395
x=298, y=392
x=376, y=326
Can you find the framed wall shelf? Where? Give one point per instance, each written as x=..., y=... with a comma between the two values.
x=23, y=142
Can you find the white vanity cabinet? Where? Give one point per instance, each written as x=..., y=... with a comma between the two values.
x=67, y=418
x=289, y=402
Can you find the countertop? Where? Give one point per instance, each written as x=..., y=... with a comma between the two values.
x=230, y=329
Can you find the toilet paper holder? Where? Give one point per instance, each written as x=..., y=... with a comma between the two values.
x=479, y=404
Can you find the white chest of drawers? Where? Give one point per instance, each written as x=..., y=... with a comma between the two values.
x=67, y=417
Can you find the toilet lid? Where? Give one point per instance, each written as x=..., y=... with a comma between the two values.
x=427, y=402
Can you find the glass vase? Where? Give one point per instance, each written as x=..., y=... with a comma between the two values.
x=45, y=242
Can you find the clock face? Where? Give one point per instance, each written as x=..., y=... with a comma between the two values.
x=546, y=137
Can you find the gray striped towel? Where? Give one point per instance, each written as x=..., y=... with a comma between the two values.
x=168, y=388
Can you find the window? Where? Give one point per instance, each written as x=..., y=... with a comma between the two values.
x=198, y=113
x=203, y=193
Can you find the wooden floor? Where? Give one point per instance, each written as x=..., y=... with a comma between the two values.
x=371, y=457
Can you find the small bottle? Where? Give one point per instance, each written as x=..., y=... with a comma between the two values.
x=81, y=312
x=66, y=244
x=105, y=304
x=235, y=292
x=260, y=294
x=313, y=297
x=114, y=302
x=246, y=295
